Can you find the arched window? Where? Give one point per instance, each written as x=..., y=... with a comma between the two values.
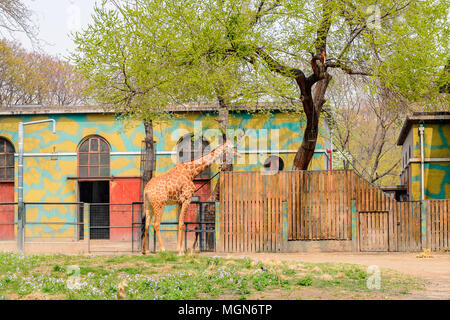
x=6, y=160
x=188, y=150
x=273, y=164
x=93, y=158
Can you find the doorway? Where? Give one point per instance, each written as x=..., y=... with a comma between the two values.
x=96, y=193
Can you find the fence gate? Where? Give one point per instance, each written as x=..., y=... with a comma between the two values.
x=374, y=230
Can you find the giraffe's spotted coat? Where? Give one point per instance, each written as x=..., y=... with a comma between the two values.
x=177, y=187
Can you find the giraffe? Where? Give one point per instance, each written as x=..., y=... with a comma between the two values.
x=177, y=187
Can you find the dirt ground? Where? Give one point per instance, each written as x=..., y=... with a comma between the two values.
x=436, y=270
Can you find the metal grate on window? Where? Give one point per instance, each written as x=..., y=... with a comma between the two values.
x=93, y=158
x=6, y=160
x=189, y=150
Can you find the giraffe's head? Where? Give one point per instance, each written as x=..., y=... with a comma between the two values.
x=230, y=151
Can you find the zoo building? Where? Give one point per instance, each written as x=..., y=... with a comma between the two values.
x=82, y=184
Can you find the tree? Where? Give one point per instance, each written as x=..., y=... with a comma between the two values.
x=16, y=17
x=157, y=52
x=36, y=78
x=401, y=44
x=150, y=60
x=364, y=128
x=127, y=67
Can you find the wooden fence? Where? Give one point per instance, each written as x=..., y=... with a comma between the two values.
x=261, y=212
x=437, y=224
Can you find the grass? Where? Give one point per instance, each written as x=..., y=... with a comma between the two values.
x=167, y=276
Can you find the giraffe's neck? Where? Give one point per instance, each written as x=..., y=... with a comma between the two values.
x=200, y=164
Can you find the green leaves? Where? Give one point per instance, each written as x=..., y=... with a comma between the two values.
x=143, y=57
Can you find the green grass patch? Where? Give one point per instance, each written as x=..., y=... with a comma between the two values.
x=167, y=276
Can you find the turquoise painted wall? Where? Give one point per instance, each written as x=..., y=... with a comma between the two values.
x=50, y=159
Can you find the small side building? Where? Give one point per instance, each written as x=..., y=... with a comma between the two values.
x=425, y=141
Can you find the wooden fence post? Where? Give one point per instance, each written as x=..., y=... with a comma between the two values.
x=355, y=239
x=284, y=224
x=217, y=227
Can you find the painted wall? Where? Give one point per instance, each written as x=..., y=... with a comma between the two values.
x=50, y=159
x=437, y=173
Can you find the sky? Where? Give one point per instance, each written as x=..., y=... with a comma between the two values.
x=56, y=19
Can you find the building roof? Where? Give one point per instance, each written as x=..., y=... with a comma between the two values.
x=38, y=110
x=400, y=187
x=422, y=117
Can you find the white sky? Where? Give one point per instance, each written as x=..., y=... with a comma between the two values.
x=55, y=20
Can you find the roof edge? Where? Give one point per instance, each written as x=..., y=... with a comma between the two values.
x=421, y=117
x=37, y=110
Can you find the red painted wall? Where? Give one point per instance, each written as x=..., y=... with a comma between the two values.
x=204, y=193
x=123, y=191
x=6, y=211
x=129, y=190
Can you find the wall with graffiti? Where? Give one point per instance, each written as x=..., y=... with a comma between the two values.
x=51, y=160
x=437, y=169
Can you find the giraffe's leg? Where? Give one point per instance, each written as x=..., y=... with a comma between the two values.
x=156, y=224
x=147, y=224
x=196, y=239
x=183, y=210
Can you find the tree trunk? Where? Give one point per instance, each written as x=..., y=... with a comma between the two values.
x=313, y=108
x=223, y=125
x=149, y=156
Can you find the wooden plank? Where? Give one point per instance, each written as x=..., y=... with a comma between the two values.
x=241, y=213
x=253, y=213
x=343, y=207
x=235, y=211
x=230, y=212
x=327, y=204
x=296, y=206
x=351, y=196
x=290, y=204
x=245, y=211
x=441, y=224
x=320, y=207
x=437, y=225
x=346, y=205
x=219, y=246
x=272, y=213
x=363, y=220
x=336, y=205
x=445, y=225
x=240, y=216
x=226, y=211
x=278, y=229
x=301, y=202
x=275, y=211
x=407, y=213
x=264, y=214
x=276, y=200
x=249, y=211
x=258, y=213
x=342, y=211
x=332, y=205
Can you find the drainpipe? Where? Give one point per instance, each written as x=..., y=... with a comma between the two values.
x=422, y=172
x=21, y=205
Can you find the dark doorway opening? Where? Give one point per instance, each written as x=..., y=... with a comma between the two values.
x=97, y=194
